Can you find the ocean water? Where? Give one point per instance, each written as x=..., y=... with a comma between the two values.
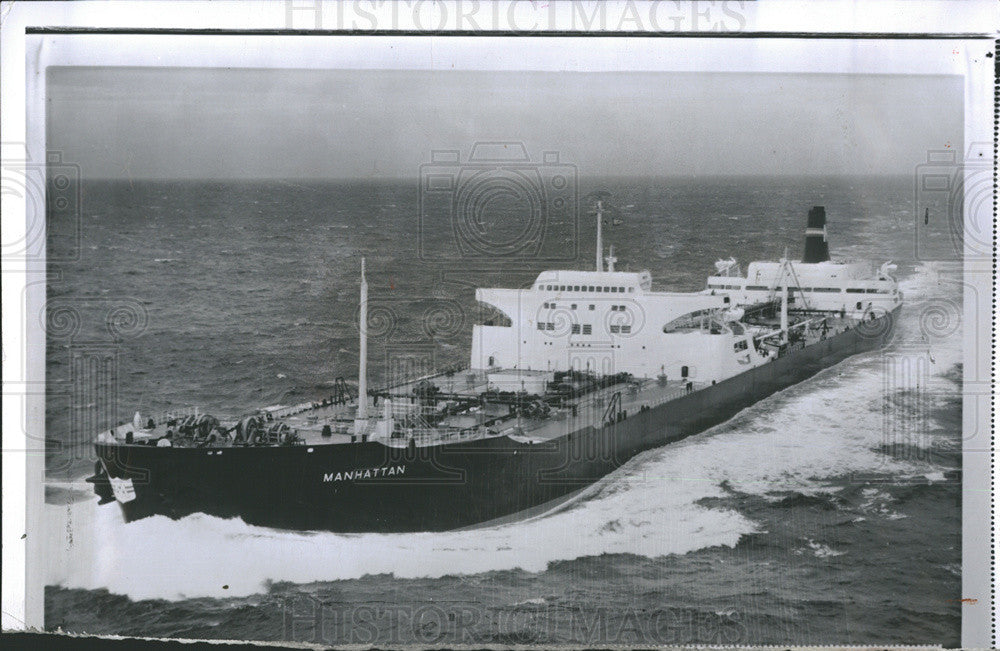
x=826, y=514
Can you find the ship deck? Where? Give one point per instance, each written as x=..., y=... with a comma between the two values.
x=571, y=415
x=474, y=418
x=489, y=419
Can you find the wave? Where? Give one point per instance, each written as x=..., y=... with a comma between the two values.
x=815, y=501
x=819, y=550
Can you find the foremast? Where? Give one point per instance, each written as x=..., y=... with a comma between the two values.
x=361, y=419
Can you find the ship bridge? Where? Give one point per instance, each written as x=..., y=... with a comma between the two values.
x=607, y=322
x=602, y=285
x=604, y=322
x=601, y=282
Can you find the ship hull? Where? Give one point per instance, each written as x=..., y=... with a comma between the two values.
x=372, y=487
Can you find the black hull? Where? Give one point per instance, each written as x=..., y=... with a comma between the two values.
x=446, y=486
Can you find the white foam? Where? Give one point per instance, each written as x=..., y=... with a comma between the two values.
x=198, y=555
x=819, y=550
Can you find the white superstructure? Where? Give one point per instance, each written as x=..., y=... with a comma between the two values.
x=852, y=287
x=815, y=283
x=606, y=322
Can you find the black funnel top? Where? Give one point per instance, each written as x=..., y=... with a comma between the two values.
x=817, y=249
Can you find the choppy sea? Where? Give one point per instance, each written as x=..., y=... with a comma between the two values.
x=827, y=514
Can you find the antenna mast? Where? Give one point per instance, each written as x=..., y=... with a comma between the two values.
x=611, y=258
x=600, y=245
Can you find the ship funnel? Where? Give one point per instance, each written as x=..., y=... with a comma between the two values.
x=817, y=249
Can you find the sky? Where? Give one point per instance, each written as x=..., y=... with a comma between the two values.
x=223, y=123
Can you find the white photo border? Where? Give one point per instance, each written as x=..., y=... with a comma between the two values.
x=913, y=38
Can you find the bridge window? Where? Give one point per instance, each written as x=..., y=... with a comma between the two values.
x=756, y=288
x=576, y=288
x=855, y=290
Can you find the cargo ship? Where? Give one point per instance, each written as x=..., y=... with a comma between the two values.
x=583, y=371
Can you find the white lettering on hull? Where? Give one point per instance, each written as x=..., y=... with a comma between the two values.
x=364, y=473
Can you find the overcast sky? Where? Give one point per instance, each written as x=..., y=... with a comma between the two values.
x=226, y=123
